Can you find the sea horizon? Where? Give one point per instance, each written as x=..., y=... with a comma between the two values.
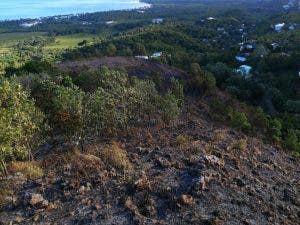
x=34, y=9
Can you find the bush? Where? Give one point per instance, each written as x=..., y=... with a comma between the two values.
x=68, y=110
x=203, y=79
x=292, y=141
x=30, y=170
x=220, y=111
x=177, y=90
x=274, y=130
x=116, y=156
x=292, y=106
x=108, y=108
x=260, y=118
x=20, y=122
x=145, y=100
x=170, y=110
x=240, y=122
x=183, y=139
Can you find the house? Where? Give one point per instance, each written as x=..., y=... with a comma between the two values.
x=241, y=58
x=278, y=27
x=275, y=45
x=250, y=46
x=210, y=18
x=244, y=70
x=30, y=24
x=142, y=57
x=156, y=55
x=86, y=23
x=292, y=26
x=158, y=20
x=110, y=22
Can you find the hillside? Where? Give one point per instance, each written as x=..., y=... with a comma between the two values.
x=187, y=112
x=194, y=171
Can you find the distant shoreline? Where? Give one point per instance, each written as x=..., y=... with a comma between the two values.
x=146, y=5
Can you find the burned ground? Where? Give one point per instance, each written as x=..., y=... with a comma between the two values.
x=193, y=172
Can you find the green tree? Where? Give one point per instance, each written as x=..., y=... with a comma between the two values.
x=274, y=131
x=20, y=122
x=260, y=118
x=170, y=110
x=68, y=110
x=240, y=122
x=176, y=89
x=292, y=141
x=110, y=49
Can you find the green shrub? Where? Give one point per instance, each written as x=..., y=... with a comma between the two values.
x=68, y=111
x=274, y=130
x=240, y=121
x=292, y=106
x=204, y=80
x=260, y=118
x=176, y=89
x=157, y=78
x=220, y=111
x=292, y=141
x=144, y=98
x=170, y=110
x=20, y=122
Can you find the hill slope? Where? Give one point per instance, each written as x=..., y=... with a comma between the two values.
x=194, y=172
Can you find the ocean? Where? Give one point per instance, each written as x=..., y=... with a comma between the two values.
x=17, y=9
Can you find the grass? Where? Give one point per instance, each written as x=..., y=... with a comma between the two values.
x=30, y=170
x=69, y=41
x=116, y=156
x=8, y=40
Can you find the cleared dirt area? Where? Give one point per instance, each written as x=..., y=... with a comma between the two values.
x=135, y=67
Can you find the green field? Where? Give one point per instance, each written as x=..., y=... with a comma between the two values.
x=8, y=40
x=70, y=41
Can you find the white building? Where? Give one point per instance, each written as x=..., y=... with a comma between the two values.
x=274, y=45
x=244, y=70
x=110, y=22
x=278, y=27
x=158, y=20
x=156, y=55
x=210, y=18
x=142, y=57
x=30, y=24
x=241, y=58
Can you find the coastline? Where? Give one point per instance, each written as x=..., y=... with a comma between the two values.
x=144, y=5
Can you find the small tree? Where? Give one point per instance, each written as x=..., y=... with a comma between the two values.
x=204, y=80
x=274, y=131
x=67, y=110
x=170, y=110
x=260, y=118
x=292, y=141
x=20, y=122
x=177, y=90
x=240, y=122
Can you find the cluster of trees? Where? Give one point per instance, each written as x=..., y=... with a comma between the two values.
x=94, y=104
x=278, y=129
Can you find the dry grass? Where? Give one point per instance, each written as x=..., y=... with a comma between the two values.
x=116, y=156
x=219, y=135
x=4, y=195
x=240, y=144
x=183, y=139
x=30, y=170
